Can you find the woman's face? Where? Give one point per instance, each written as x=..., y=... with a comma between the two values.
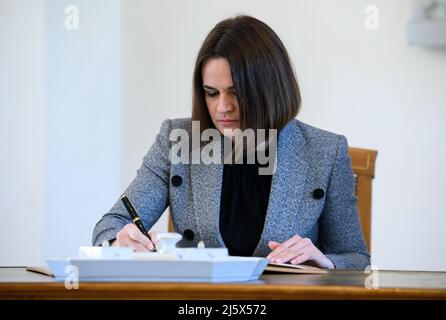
x=220, y=95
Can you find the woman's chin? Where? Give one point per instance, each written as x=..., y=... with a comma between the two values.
x=228, y=129
x=228, y=132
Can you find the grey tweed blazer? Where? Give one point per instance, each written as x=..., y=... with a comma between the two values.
x=307, y=159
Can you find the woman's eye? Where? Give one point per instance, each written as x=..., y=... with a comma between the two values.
x=211, y=94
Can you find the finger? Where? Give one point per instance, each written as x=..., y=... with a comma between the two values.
x=153, y=235
x=150, y=246
x=302, y=246
x=300, y=259
x=147, y=243
x=273, y=244
x=283, y=246
x=138, y=236
x=135, y=245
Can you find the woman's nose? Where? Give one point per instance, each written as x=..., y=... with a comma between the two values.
x=225, y=104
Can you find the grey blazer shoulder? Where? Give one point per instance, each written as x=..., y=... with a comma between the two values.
x=308, y=159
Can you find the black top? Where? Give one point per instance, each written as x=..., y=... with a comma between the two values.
x=244, y=200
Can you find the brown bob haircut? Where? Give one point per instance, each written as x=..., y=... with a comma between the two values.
x=262, y=74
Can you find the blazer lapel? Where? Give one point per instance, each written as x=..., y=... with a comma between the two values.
x=286, y=188
x=206, y=180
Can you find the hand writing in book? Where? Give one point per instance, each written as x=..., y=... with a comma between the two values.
x=130, y=236
x=297, y=250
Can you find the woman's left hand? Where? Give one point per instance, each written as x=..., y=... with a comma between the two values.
x=297, y=250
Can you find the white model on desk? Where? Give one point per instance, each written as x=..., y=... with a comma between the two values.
x=168, y=264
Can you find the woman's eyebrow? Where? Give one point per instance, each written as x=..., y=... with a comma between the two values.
x=205, y=86
x=209, y=87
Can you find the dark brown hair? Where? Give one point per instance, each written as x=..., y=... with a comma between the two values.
x=262, y=73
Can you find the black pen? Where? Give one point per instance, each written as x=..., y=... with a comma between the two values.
x=136, y=219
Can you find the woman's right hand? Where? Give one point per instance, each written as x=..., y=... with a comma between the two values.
x=131, y=237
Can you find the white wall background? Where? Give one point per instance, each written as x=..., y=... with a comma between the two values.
x=60, y=126
x=21, y=131
x=82, y=121
x=131, y=66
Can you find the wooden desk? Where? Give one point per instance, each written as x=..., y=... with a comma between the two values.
x=17, y=283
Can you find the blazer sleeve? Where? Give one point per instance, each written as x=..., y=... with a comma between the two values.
x=340, y=234
x=148, y=191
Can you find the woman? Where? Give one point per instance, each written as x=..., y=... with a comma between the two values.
x=305, y=212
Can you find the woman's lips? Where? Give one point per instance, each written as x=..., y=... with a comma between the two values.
x=227, y=122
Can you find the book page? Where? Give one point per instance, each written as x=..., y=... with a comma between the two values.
x=293, y=268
